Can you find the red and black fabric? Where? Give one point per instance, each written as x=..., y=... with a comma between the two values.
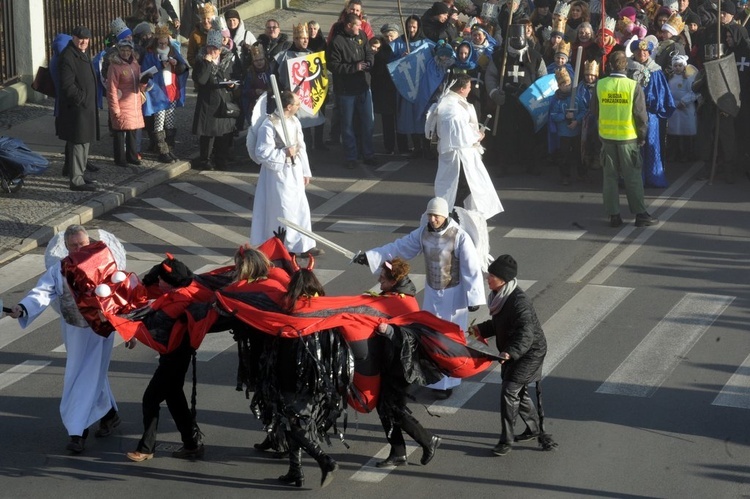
x=84, y=270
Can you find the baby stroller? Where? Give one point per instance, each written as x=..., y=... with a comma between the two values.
x=17, y=161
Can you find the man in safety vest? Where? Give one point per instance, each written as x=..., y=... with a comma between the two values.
x=620, y=108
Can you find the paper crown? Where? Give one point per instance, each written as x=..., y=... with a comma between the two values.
x=562, y=9
x=214, y=38
x=609, y=26
x=547, y=33
x=562, y=76
x=206, y=10
x=674, y=24
x=119, y=28
x=558, y=26
x=162, y=31
x=563, y=47
x=258, y=52
x=219, y=23
x=591, y=68
x=300, y=31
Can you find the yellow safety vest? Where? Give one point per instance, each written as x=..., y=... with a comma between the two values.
x=615, y=96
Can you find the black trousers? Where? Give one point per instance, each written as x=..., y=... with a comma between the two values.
x=166, y=385
x=514, y=402
x=395, y=417
x=125, y=147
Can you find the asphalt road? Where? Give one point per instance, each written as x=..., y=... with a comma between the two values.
x=646, y=384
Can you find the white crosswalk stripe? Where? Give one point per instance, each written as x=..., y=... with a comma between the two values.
x=19, y=271
x=646, y=368
x=736, y=393
x=218, y=201
x=17, y=373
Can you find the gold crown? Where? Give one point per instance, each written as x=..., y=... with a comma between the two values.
x=559, y=26
x=591, y=68
x=207, y=10
x=258, y=52
x=676, y=22
x=562, y=76
x=300, y=31
x=563, y=47
x=162, y=31
x=562, y=9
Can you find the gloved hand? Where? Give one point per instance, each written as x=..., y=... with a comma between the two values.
x=280, y=233
x=361, y=259
x=498, y=96
x=145, y=78
x=473, y=308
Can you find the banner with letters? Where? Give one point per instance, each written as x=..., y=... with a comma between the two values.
x=309, y=80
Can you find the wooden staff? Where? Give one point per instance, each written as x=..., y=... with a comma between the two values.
x=403, y=26
x=505, y=63
x=718, y=116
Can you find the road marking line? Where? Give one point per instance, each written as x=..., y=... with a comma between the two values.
x=173, y=239
x=136, y=253
x=218, y=201
x=349, y=226
x=11, y=329
x=657, y=355
x=249, y=187
x=461, y=395
x=20, y=270
x=372, y=474
x=560, y=235
x=17, y=373
x=616, y=241
x=392, y=166
x=342, y=198
x=576, y=319
x=198, y=221
x=736, y=393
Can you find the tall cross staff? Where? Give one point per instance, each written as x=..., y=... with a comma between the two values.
x=403, y=27
x=505, y=61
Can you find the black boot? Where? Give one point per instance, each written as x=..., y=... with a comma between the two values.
x=162, y=147
x=294, y=476
x=326, y=462
x=171, y=133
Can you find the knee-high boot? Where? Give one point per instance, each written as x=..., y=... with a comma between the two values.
x=171, y=134
x=326, y=462
x=295, y=475
x=162, y=147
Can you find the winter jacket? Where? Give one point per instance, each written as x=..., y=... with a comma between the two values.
x=517, y=331
x=207, y=76
x=78, y=117
x=344, y=53
x=124, y=93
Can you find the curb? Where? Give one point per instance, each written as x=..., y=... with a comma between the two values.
x=102, y=203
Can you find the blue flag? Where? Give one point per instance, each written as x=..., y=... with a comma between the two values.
x=537, y=98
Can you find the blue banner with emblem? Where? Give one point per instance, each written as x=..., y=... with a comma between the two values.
x=537, y=98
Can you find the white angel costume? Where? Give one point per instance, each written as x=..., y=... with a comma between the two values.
x=281, y=186
x=87, y=396
x=453, y=280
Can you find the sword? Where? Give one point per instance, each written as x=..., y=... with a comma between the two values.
x=483, y=126
x=349, y=254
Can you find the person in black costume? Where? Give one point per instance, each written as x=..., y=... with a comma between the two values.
x=394, y=415
x=301, y=407
x=167, y=382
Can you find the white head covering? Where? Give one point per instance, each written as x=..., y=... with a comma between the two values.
x=680, y=59
x=437, y=206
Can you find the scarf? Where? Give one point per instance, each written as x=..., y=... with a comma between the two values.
x=497, y=299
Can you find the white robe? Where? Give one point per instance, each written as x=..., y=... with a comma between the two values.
x=281, y=186
x=451, y=303
x=683, y=121
x=458, y=133
x=86, y=396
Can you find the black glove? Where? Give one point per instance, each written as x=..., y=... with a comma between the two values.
x=280, y=233
x=145, y=78
x=361, y=259
x=473, y=308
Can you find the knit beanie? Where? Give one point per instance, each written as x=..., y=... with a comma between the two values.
x=504, y=267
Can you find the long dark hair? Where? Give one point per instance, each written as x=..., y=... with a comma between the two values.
x=303, y=284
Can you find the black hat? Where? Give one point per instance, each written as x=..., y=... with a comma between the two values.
x=82, y=32
x=172, y=271
x=440, y=8
x=729, y=7
x=540, y=4
x=232, y=14
x=504, y=267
